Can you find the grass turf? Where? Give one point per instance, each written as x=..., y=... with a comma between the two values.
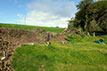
x=26, y=27
x=77, y=55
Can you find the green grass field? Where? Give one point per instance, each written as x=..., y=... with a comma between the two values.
x=26, y=27
x=80, y=54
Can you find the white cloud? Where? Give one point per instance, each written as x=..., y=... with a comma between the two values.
x=45, y=19
x=20, y=15
x=50, y=13
x=63, y=8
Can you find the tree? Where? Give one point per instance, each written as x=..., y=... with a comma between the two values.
x=98, y=11
x=81, y=14
x=91, y=15
x=84, y=4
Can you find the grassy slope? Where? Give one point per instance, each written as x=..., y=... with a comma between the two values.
x=48, y=29
x=80, y=54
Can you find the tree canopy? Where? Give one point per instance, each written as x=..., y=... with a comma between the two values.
x=91, y=17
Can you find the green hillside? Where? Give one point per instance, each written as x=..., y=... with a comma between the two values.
x=26, y=27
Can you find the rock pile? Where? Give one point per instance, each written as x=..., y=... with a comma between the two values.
x=5, y=55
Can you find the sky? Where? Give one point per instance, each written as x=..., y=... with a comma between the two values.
x=50, y=13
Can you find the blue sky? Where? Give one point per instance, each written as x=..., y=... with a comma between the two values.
x=38, y=12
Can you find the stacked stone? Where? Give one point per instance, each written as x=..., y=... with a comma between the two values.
x=5, y=63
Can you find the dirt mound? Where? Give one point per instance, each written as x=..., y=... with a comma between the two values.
x=19, y=36
x=10, y=39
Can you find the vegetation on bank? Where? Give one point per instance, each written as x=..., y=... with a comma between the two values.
x=26, y=27
x=91, y=16
x=79, y=54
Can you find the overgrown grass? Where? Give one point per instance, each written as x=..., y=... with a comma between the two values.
x=82, y=55
x=26, y=27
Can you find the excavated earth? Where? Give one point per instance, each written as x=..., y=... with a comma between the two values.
x=10, y=39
